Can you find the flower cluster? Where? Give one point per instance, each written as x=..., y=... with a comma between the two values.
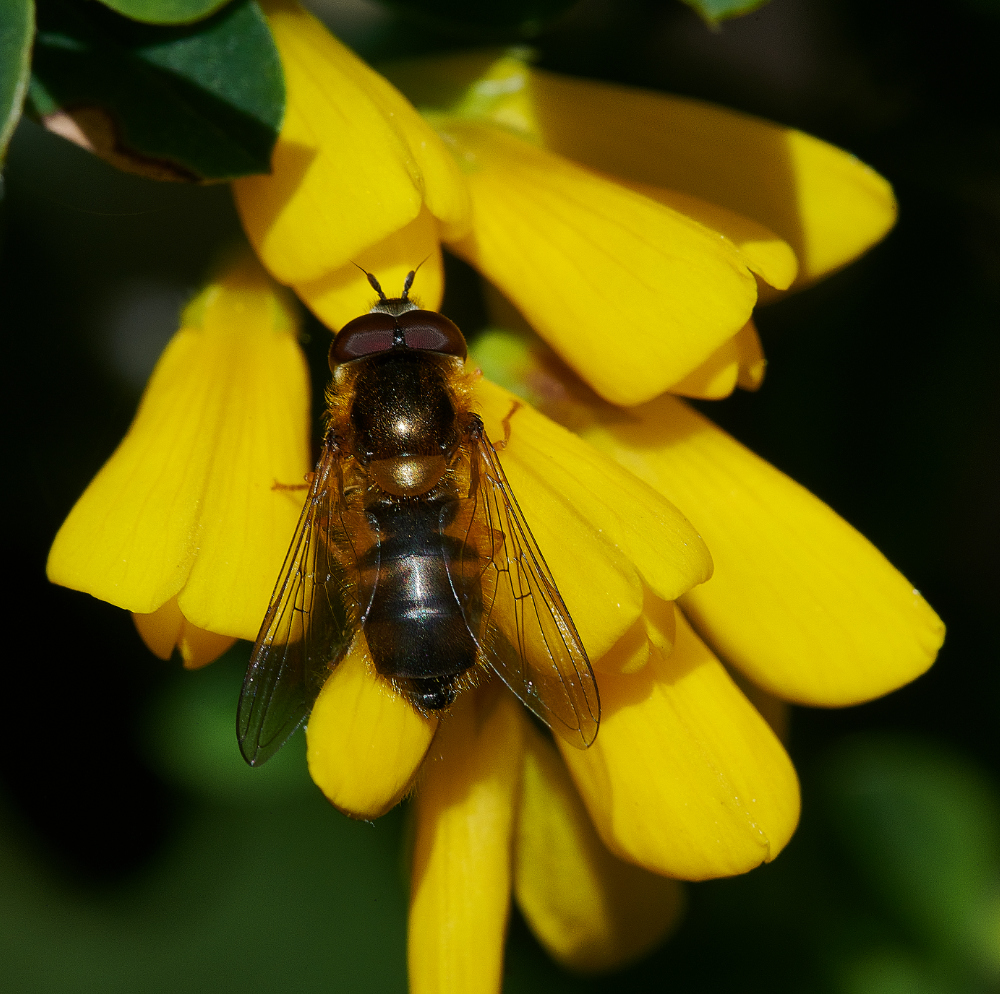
x=633, y=232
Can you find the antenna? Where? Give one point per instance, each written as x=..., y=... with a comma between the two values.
x=374, y=282
x=407, y=283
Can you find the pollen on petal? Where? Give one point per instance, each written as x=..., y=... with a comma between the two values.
x=685, y=778
x=632, y=294
x=800, y=601
x=591, y=910
x=460, y=889
x=365, y=743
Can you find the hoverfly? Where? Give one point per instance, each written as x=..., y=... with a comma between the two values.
x=411, y=534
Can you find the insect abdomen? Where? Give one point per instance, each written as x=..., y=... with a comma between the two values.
x=415, y=627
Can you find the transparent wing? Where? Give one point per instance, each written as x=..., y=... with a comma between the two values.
x=308, y=625
x=522, y=627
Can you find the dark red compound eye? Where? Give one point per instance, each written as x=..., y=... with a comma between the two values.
x=363, y=336
x=371, y=333
x=432, y=332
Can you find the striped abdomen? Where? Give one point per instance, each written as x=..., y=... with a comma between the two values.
x=414, y=625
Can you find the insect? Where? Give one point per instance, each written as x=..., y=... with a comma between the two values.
x=410, y=533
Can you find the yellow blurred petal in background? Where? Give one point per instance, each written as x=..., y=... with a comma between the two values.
x=186, y=506
x=591, y=910
x=685, y=778
x=460, y=890
x=365, y=743
x=802, y=603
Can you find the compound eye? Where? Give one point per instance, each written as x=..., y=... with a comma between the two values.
x=362, y=336
x=433, y=332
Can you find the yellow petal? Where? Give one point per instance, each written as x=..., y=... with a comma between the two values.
x=460, y=891
x=716, y=377
x=752, y=362
x=685, y=778
x=591, y=910
x=630, y=293
x=167, y=629
x=604, y=534
x=352, y=165
x=345, y=293
x=186, y=506
x=802, y=603
x=365, y=743
x=439, y=179
x=654, y=631
x=199, y=648
x=739, y=361
x=776, y=712
x=161, y=629
x=628, y=655
x=764, y=253
x=825, y=203
x=660, y=622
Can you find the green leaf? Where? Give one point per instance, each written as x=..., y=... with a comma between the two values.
x=17, y=26
x=191, y=739
x=924, y=826
x=714, y=11
x=198, y=102
x=165, y=11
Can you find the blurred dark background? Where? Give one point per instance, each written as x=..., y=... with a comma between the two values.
x=137, y=854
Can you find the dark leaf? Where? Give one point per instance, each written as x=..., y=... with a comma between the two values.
x=199, y=102
x=16, y=29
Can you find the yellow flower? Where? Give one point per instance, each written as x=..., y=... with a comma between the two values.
x=182, y=524
x=632, y=231
x=592, y=207
x=355, y=166
x=685, y=779
x=599, y=208
x=185, y=526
